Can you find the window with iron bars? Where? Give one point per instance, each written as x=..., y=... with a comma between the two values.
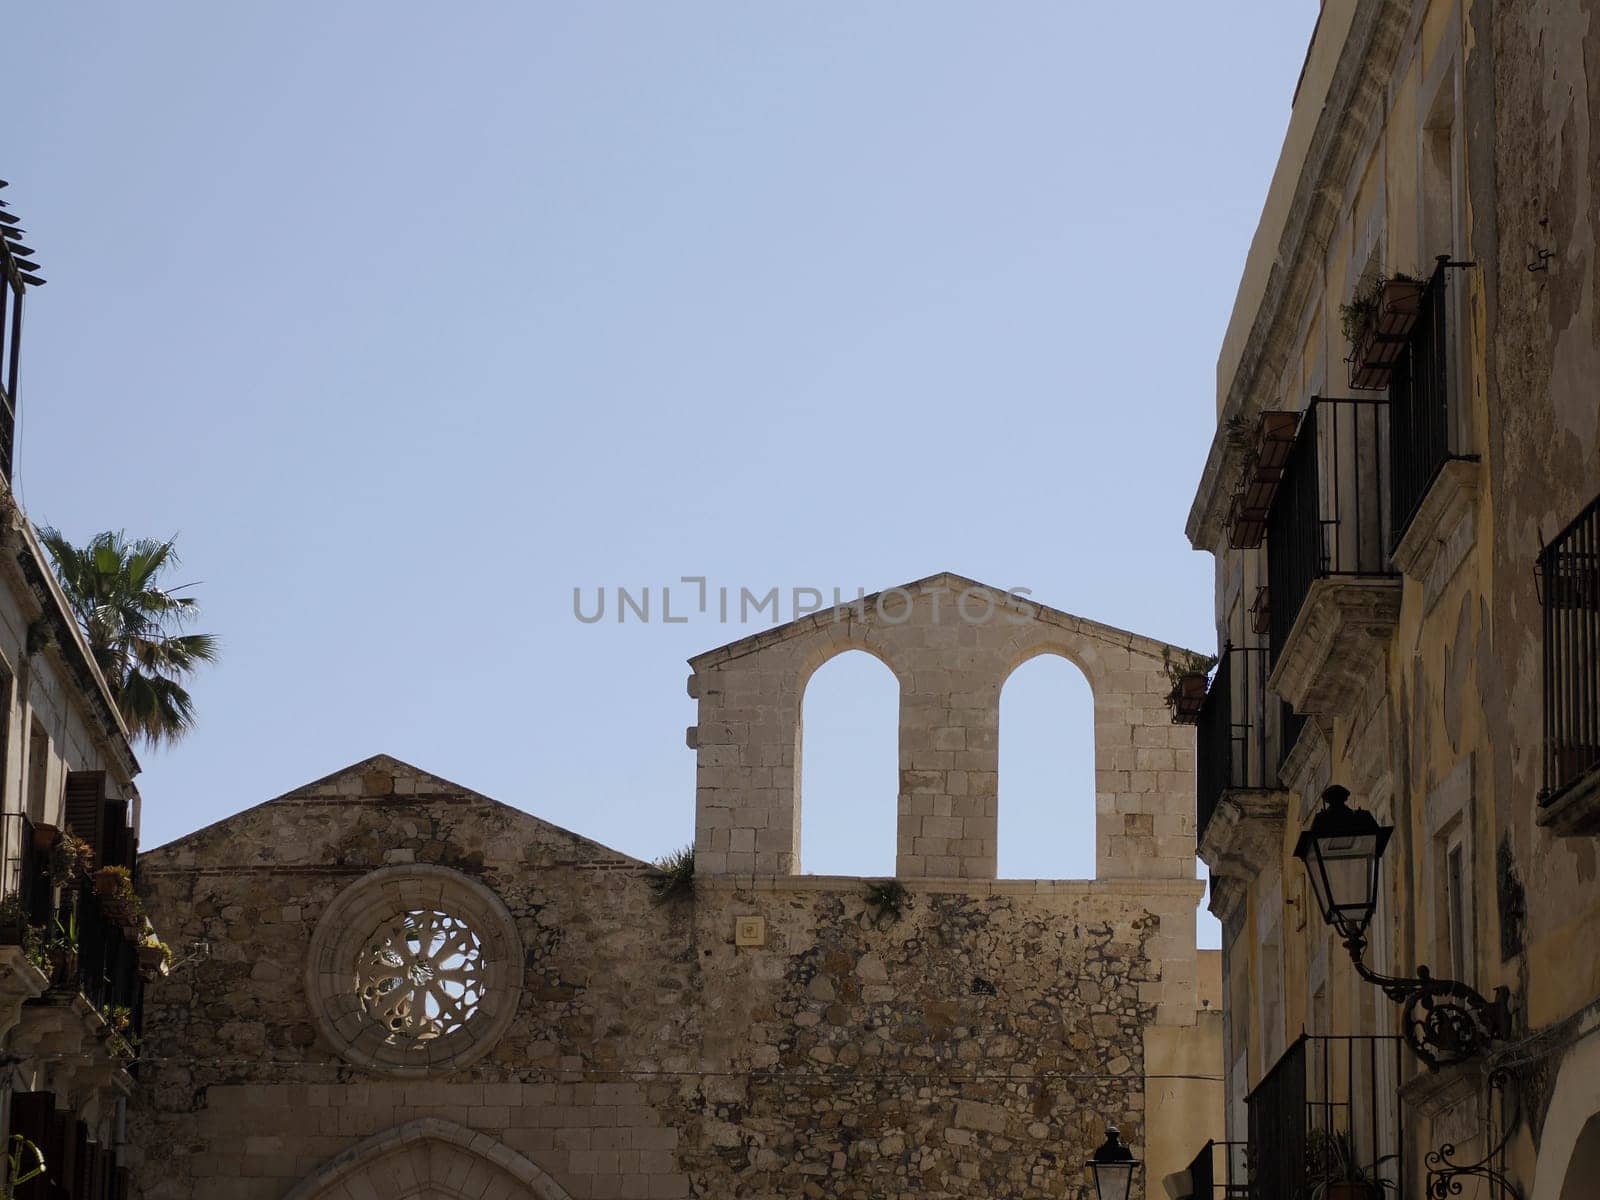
x=1569, y=576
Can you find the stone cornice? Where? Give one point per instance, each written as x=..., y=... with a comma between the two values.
x=1245, y=833
x=1341, y=632
x=1353, y=101
x=20, y=981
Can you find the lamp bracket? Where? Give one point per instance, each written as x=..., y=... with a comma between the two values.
x=1444, y=1175
x=1444, y=1021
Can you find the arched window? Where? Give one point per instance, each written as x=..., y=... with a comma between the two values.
x=849, y=767
x=1046, y=800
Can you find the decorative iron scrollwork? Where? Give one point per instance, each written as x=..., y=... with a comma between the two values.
x=1445, y=1175
x=1444, y=1021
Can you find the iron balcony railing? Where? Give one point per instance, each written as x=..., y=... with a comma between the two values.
x=108, y=960
x=1217, y=1172
x=1424, y=429
x=1326, y=1089
x=24, y=867
x=1331, y=516
x=1569, y=576
x=1234, y=737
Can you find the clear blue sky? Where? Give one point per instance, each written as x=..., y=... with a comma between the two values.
x=408, y=320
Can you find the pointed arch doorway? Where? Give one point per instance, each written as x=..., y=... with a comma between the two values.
x=429, y=1159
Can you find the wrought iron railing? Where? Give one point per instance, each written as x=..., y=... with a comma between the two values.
x=108, y=960
x=1217, y=1173
x=1233, y=734
x=1331, y=514
x=1569, y=577
x=1325, y=1089
x=23, y=864
x=1423, y=430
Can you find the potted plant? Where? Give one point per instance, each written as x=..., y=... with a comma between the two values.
x=1188, y=675
x=62, y=950
x=154, y=955
x=71, y=858
x=112, y=881
x=13, y=921
x=1333, y=1172
x=44, y=837
x=1377, y=322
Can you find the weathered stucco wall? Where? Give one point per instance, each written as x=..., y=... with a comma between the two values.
x=974, y=1046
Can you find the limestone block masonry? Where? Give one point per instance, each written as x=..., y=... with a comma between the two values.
x=414, y=991
x=951, y=663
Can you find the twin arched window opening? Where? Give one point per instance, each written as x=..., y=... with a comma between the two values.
x=850, y=770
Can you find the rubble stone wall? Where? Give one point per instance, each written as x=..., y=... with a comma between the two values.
x=973, y=1045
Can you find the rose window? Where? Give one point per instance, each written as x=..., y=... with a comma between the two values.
x=414, y=970
x=420, y=975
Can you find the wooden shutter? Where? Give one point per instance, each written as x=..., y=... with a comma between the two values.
x=86, y=810
x=119, y=838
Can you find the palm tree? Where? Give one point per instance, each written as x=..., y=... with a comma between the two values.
x=134, y=627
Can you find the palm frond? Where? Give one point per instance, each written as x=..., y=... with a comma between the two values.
x=134, y=625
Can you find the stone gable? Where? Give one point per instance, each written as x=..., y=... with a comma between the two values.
x=973, y=1046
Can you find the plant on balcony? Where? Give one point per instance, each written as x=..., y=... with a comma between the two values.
x=155, y=956
x=114, y=887
x=118, y=1033
x=44, y=837
x=61, y=950
x=71, y=859
x=1376, y=322
x=13, y=921
x=1333, y=1172
x=1188, y=674
x=674, y=874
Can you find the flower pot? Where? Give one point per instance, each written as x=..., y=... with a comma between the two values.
x=1400, y=301
x=152, y=959
x=44, y=836
x=106, y=884
x=1188, y=696
x=14, y=933
x=63, y=964
x=1365, y=377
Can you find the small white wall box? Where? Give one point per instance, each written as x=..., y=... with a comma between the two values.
x=749, y=931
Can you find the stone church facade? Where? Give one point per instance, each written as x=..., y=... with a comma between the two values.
x=414, y=992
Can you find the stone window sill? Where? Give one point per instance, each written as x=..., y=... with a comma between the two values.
x=1576, y=811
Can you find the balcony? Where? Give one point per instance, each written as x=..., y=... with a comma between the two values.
x=1326, y=1091
x=1433, y=484
x=1216, y=1173
x=1334, y=598
x=1239, y=808
x=1569, y=586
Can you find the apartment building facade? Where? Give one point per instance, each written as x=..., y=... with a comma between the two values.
x=74, y=949
x=1401, y=498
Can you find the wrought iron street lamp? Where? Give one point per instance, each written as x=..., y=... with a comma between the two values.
x=1113, y=1167
x=1443, y=1020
